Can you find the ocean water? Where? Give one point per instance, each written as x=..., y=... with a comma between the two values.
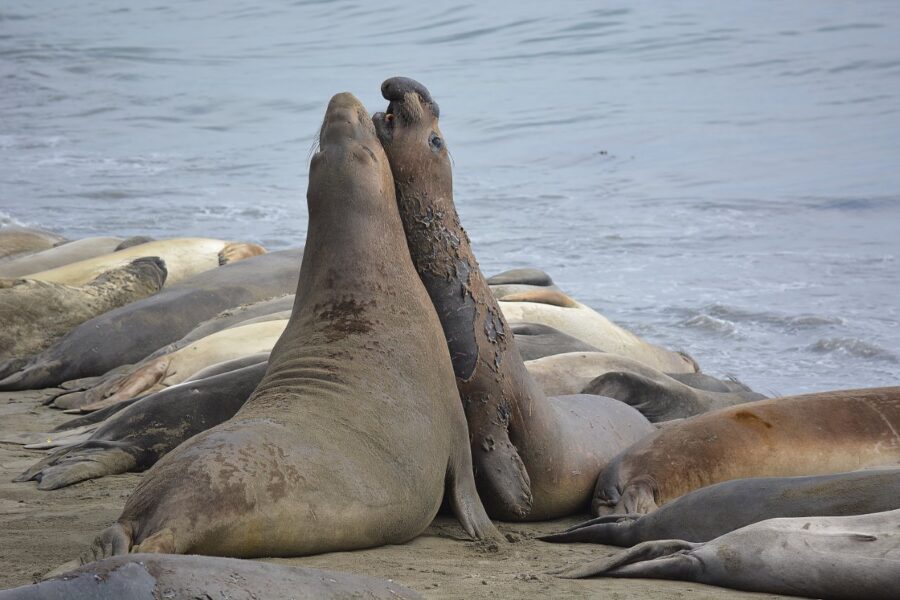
x=720, y=177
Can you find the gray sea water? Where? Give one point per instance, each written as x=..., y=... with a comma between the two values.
x=720, y=177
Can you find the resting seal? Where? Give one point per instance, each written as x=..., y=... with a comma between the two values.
x=717, y=509
x=33, y=313
x=58, y=256
x=155, y=576
x=15, y=240
x=535, y=458
x=356, y=428
x=834, y=558
x=537, y=341
x=128, y=334
x=815, y=434
x=184, y=257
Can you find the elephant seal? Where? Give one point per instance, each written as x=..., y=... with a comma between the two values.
x=135, y=438
x=521, y=276
x=184, y=257
x=535, y=458
x=356, y=427
x=813, y=434
x=715, y=510
x=128, y=334
x=835, y=558
x=537, y=341
x=174, y=368
x=33, y=313
x=702, y=381
x=16, y=240
x=58, y=256
x=558, y=310
x=155, y=576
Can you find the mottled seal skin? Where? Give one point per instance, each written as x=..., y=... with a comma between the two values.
x=836, y=558
x=537, y=341
x=58, y=256
x=356, y=429
x=16, y=240
x=715, y=510
x=155, y=576
x=128, y=334
x=535, y=458
x=33, y=314
x=135, y=438
x=813, y=434
x=184, y=257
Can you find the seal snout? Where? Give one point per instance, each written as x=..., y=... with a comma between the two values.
x=346, y=117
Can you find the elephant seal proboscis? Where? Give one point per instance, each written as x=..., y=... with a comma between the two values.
x=128, y=334
x=834, y=558
x=537, y=341
x=176, y=367
x=135, y=438
x=534, y=457
x=58, y=256
x=155, y=576
x=813, y=434
x=33, y=314
x=356, y=429
x=16, y=240
x=184, y=257
x=715, y=510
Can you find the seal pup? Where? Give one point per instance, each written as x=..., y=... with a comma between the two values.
x=126, y=335
x=836, y=558
x=715, y=510
x=356, y=428
x=535, y=458
x=16, y=240
x=813, y=434
x=155, y=576
x=184, y=257
x=34, y=313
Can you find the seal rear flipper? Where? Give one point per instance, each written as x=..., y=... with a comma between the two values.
x=140, y=381
x=38, y=375
x=112, y=541
x=654, y=400
x=663, y=559
x=610, y=529
x=236, y=251
x=74, y=464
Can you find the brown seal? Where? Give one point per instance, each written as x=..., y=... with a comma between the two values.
x=814, y=434
x=534, y=457
x=356, y=429
x=16, y=240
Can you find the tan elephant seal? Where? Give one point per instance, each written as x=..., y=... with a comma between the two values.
x=184, y=257
x=814, y=434
x=356, y=429
x=535, y=457
x=64, y=254
x=33, y=314
x=835, y=558
x=16, y=240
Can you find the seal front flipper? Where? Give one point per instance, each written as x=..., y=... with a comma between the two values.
x=464, y=499
x=504, y=486
x=665, y=559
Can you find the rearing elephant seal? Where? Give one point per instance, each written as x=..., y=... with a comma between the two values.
x=814, y=434
x=356, y=428
x=535, y=457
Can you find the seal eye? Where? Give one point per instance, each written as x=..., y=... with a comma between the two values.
x=435, y=142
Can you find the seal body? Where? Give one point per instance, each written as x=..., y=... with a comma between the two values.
x=15, y=240
x=813, y=434
x=126, y=335
x=715, y=510
x=840, y=558
x=355, y=429
x=33, y=314
x=58, y=256
x=537, y=341
x=184, y=257
x=154, y=576
x=534, y=457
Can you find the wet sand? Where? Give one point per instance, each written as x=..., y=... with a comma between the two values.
x=41, y=530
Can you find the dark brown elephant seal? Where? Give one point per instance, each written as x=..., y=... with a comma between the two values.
x=128, y=334
x=165, y=576
x=16, y=240
x=356, y=429
x=835, y=558
x=534, y=457
x=814, y=434
x=717, y=509
x=33, y=314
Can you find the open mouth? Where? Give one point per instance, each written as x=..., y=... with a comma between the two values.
x=384, y=122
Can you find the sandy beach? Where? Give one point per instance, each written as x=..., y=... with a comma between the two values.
x=41, y=530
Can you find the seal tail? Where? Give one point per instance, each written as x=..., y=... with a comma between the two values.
x=663, y=559
x=35, y=376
